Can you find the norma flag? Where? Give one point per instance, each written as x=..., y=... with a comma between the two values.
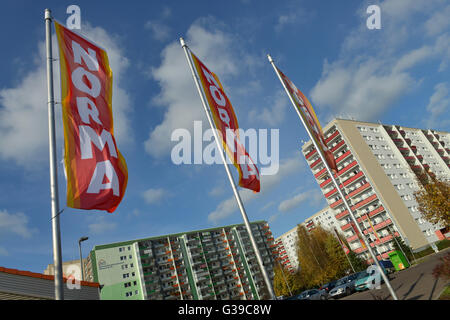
x=227, y=126
x=310, y=118
x=96, y=171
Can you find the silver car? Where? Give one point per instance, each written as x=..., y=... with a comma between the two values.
x=313, y=294
x=346, y=285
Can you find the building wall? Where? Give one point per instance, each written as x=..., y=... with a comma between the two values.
x=17, y=285
x=216, y=263
x=287, y=250
x=378, y=164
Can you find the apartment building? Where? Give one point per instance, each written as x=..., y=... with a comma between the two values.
x=209, y=264
x=377, y=167
x=287, y=250
x=325, y=218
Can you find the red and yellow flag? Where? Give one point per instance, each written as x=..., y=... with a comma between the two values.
x=313, y=126
x=227, y=126
x=96, y=171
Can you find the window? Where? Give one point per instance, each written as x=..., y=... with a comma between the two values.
x=129, y=248
x=130, y=256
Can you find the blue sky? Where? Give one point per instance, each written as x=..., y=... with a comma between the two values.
x=398, y=75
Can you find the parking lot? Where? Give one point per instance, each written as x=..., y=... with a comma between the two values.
x=414, y=283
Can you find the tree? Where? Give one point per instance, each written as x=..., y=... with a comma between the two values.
x=433, y=199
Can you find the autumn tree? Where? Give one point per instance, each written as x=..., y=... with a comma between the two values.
x=433, y=198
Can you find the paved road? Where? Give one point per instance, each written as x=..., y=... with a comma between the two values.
x=414, y=283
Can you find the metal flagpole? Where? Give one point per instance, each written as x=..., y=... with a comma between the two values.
x=57, y=261
x=284, y=277
x=230, y=177
x=340, y=242
x=398, y=244
x=341, y=192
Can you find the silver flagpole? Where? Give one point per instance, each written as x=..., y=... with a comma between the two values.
x=341, y=193
x=342, y=247
x=230, y=177
x=57, y=261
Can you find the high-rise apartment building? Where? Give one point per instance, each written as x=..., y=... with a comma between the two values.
x=287, y=250
x=217, y=263
x=377, y=166
x=325, y=218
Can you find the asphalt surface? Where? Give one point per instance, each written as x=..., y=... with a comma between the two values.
x=414, y=283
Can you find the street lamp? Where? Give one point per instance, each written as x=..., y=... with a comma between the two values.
x=81, y=256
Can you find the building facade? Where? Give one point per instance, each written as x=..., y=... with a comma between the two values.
x=378, y=166
x=24, y=285
x=287, y=250
x=325, y=218
x=209, y=264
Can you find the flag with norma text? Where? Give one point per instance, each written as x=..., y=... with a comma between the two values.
x=96, y=172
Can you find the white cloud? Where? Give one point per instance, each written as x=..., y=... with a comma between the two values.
x=438, y=22
x=273, y=115
x=102, y=225
x=23, y=108
x=152, y=196
x=312, y=196
x=15, y=223
x=178, y=92
x=439, y=107
x=217, y=191
x=229, y=206
x=374, y=68
x=159, y=30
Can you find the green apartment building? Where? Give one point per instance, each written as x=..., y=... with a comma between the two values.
x=209, y=264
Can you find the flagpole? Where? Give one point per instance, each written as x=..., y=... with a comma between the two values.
x=230, y=177
x=341, y=192
x=57, y=261
x=340, y=242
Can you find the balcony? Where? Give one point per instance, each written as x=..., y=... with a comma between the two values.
x=346, y=226
x=383, y=240
x=352, y=238
x=336, y=203
x=348, y=167
x=344, y=156
x=309, y=154
x=359, y=250
x=315, y=163
x=358, y=190
x=341, y=215
x=364, y=202
x=332, y=136
x=337, y=146
x=403, y=150
x=319, y=174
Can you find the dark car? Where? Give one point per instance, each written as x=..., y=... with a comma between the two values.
x=346, y=285
x=313, y=294
x=328, y=286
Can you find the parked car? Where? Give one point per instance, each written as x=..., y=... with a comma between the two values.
x=328, y=286
x=313, y=294
x=363, y=282
x=346, y=285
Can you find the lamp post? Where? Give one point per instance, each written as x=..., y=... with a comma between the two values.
x=81, y=256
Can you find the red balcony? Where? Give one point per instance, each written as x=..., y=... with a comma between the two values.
x=326, y=182
x=358, y=190
x=341, y=215
x=364, y=202
x=359, y=250
x=352, y=238
x=383, y=240
x=330, y=193
x=309, y=154
x=376, y=211
x=335, y=204
x=315, y=163
x=351, y=179
x=344, y=156
x=346, y=226
x=404, y=150
x=335, y=134
x=392, y=132
x=340, y=144
x=348, y=167
x=321, y=172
